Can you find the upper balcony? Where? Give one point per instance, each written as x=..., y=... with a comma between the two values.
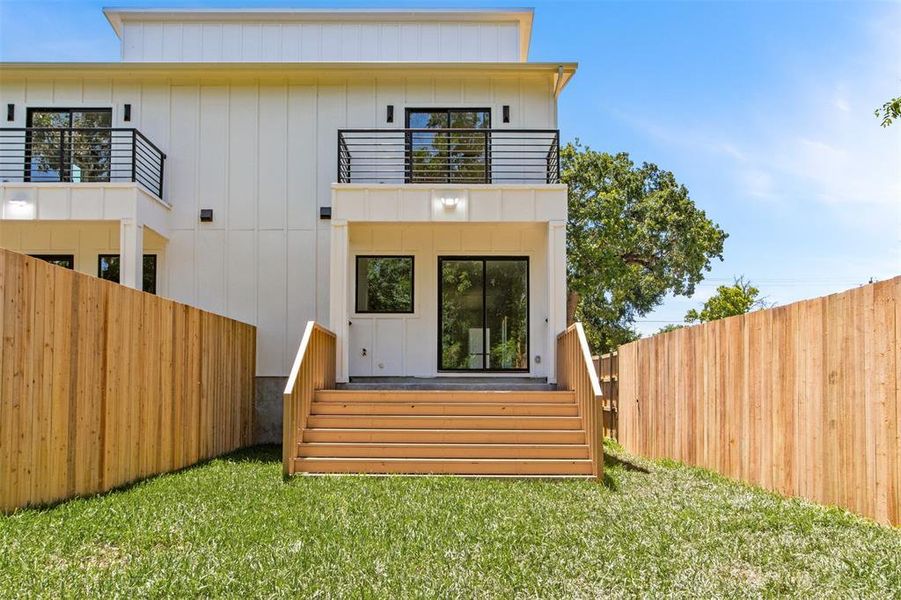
x=449, y=156
x=80, y=155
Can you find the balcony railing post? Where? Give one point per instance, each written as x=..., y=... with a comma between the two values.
x=160, y=182
x=557, y=154
x=134, y=156
x=62, y=155
x=487, y=172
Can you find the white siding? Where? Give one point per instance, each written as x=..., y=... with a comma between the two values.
x=407, y=344
x=318, y=42
x=262, y=154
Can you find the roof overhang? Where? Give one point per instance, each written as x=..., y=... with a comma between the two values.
x=560, y=72
x=522, y=16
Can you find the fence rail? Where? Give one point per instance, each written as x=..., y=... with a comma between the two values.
x=467, y=156
x=80, y=154
x=101, y=385
x=802, y=399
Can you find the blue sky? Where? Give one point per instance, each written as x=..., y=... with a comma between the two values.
x=764, y=110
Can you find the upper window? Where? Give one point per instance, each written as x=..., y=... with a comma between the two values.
x=448, y=156
x=108, y=268
x=68, y=144
x=384, y=284
x=67, y=261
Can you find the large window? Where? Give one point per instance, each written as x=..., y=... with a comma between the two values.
x=448, y=156
x=108, y=268
x=384, y=284
x=67, y=261
x=68, y=144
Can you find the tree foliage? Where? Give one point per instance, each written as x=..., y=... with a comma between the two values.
x=890, y=111
x=633, y=236
x=730, y=300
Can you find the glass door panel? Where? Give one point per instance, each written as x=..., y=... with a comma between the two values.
x=507, y=314
x=484, y=314
x=462, y=315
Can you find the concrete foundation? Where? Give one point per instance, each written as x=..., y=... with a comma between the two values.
x=268, y=409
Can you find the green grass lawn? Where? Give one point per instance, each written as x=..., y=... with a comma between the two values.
x=232, y=527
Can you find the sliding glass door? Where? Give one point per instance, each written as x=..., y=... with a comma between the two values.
x=483, y=314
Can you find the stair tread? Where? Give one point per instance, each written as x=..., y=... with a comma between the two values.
x=448, y=460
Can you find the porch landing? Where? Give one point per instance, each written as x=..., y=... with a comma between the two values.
x=521, y=384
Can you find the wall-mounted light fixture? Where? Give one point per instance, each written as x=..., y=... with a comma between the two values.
x=10, y=112
x=325, y=213
x=449, y=201
x=127, y=116
x=206, y=215
x=506, y=112
x=390, y=115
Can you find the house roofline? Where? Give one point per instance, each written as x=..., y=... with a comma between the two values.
x=250, y=69
x=522, y=16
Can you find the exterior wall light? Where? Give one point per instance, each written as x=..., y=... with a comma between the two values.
x=450, y=201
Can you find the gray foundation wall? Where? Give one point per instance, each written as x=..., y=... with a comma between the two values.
x=268, y=409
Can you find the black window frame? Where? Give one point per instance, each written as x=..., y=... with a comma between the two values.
x=485, y=258
x=408, y=138
x=57, y=257
x=29, y=125
x=412, y=309
x=153, y=256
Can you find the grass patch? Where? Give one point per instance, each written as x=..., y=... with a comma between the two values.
x=231, y=527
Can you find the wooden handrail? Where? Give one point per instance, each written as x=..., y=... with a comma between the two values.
x=576, y=372
x=313, y=369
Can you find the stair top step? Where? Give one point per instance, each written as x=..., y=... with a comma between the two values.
x=447, y=395
x=444, y=460
x=442, y=444
x=428, y=430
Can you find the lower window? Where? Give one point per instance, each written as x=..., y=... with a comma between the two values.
x=384, y=284
x=67, y=261
x=108, y=268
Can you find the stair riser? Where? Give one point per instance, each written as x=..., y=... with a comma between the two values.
x=420, y=436
x=465, y=467
x=442, y=451
x=441, y=396
x=352, y=422
x=450, y=409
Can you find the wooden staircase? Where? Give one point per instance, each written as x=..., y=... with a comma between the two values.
x=435, y=431
x=487, y=432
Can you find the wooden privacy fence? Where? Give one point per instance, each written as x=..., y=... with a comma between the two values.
x=607, y=367
x=802, y=399
x=101, y=385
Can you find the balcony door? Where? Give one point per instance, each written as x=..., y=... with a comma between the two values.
x=483, y=314
x=68, y=144
x=460, y=156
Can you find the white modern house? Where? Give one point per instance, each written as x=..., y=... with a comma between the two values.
x=390, y=174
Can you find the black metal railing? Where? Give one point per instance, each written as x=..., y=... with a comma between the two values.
x=449, y=156
x=80, y=155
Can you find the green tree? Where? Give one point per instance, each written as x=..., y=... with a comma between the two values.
x=670, y=327
x=890, y=111
x=729, y=300
x=633, y=236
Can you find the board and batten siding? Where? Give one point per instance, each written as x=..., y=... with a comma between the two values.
x=320, y=42
x=261, y=152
